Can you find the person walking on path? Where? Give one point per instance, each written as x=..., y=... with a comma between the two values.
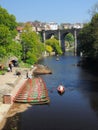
x=10, y=66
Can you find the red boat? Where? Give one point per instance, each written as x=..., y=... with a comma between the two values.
x=61, y=89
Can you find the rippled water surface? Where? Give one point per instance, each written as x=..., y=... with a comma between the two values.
x=76, y=109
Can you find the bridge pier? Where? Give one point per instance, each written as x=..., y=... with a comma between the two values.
x=59, y=35
x=44, y=38
x=75, y=43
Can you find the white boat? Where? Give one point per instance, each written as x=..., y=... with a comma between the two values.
x=61, y=89
x=57, y=58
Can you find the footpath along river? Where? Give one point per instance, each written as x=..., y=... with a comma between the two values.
x=76, y=109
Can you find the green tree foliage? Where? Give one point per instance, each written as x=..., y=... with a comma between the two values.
x=15, y=49
x=54, y=44
x=94, y=24
x=94, y=9
x=2, y=52
x=31, y=45
x=88, y=38
x=69, y=41
x=8, y=46
x=21, y=24
x=49, y=49
x=5, y=35
x=8, y=20
x=69, y=38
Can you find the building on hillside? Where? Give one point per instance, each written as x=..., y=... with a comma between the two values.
x=48, y=26
x=70, y=26
x=19, y=29
x=78, y=25
x=66, y=25
x=52, y=26
x=37, y=26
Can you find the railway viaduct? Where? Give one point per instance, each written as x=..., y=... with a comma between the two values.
x=60, y=34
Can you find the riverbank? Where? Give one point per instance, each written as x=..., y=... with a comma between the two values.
x=8, y=83
x=11, y=120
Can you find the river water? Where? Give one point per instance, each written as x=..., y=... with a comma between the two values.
x=76, y=109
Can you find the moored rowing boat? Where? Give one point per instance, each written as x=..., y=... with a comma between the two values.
x=34, y=92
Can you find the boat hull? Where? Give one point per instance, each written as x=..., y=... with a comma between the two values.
x=34, y=92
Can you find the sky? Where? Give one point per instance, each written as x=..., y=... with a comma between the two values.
x=59, y=11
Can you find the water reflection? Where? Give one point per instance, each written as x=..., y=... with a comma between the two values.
x=61, y=93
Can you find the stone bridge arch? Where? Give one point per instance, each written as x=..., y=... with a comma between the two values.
x=60, y=34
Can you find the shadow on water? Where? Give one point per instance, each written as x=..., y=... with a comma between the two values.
x=12, y=119
x=12, y=122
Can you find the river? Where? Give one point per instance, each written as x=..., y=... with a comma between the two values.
x=76, y=109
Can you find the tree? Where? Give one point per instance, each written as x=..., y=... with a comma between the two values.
x=31, y=45
x=8, y=46
x=94, y=24
x=94, y=9
x=69, y=41
x=49, y=49
x=54, y=43
x=15, y=48
x=5, y=35
x=21, y=24
x=69, y=37
x=2, y=52
x=8, y=20
x=88, y=38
